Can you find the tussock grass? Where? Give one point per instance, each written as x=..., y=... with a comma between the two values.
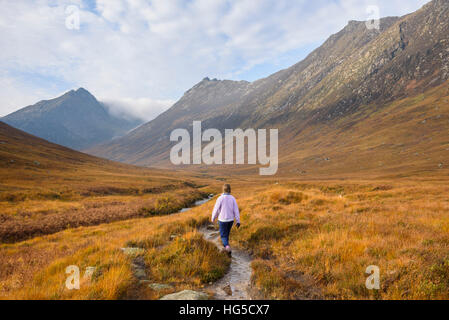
x=46, y=188
x=185, y=258
x=25, y=224
x=308, y=240
x=319, y=247
x=175, y=253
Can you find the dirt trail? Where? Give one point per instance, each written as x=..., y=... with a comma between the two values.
x=235, y=284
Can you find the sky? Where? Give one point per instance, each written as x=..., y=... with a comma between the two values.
x=140, y=56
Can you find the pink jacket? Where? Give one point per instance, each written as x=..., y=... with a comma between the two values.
x=226, y=209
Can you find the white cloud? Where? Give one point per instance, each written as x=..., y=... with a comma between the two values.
x=142, y=108
x=150, y=52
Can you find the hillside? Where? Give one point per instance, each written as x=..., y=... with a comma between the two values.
x=24, y=158
x=75, y=120
x=45, y=188
x=354, y=73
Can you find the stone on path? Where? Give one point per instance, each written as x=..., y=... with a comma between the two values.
x=133, y=251
x=186, y=295
x=227, y=289
x=214, y=235
x=138, y=267
x=140, y=273
x=160, y=286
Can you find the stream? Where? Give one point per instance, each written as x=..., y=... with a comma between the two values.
x=235, y=283
x=197, y=203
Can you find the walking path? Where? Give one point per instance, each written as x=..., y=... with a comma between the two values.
x=235, y=284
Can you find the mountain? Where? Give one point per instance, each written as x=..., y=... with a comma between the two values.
x=75, y=120
x=203, y=101
x=46, y=188
x=353, y=76
x=32, y=167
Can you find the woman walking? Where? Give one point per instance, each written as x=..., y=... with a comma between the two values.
x=226, y=210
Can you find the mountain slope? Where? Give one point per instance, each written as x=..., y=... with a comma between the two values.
x=75, y=119
x=354, y=68
x=203, y=101
x=46, y=188
x=34, y=169
x=27, y=161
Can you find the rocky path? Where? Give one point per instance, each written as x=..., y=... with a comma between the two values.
x=235, y=284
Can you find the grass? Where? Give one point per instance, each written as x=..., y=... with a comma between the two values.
x=59, y=207
x=175, y=253
x=46, y=188
x=54, y=217
x=320, y=245
x=308, y=240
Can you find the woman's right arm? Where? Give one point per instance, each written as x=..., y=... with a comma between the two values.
x=217, y=209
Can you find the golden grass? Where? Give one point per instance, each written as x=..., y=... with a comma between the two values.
x=320, y=245
x=25, y=224
x=175, y=253
x=46, y=188
x=309, y=240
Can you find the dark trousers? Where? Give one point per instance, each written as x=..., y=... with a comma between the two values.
x=225, y=229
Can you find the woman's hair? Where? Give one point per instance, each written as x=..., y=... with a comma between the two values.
x=227, y=188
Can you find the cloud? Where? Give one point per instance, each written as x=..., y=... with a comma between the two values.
x=155, y=50
x=142, y=108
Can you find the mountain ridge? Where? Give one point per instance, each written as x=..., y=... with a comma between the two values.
x=75, y=119
x=353, y=68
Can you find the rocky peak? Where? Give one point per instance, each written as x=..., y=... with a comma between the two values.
x=222, y=85
x=81, y=90
x=436, y=4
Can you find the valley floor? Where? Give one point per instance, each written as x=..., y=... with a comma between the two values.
x=307, y=240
